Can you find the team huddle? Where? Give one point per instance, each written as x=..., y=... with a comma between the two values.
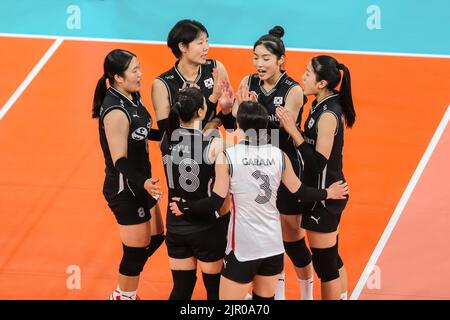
x=236, y=206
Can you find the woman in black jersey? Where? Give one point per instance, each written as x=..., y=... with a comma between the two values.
x=273, y=88
x=321, y=147
x=188, y=40
x=189, y=163
x=131, y=193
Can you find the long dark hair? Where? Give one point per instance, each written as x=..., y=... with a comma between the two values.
x=328, y=68
x=272, y=42
x=116, y=62
x=184, y=31
x=187, y=103
x=252, y=117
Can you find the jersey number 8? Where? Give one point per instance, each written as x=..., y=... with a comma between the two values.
x=189, y=171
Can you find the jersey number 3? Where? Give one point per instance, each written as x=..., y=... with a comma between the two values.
x=265, y=186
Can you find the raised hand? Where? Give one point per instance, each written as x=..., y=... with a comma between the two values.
x=227, y=98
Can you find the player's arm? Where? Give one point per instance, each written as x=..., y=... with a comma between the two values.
x=116, y=129
x=222, y=94
x=207, y=208
x=337, y=190
x=294, y=102
x=161, y=105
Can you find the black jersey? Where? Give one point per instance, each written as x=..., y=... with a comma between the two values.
x=140, y=123
x=271, y=100
x=189, y=174
x=174, y=81
x=333, y=170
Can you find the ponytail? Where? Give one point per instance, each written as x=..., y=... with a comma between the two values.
x=116, y=62
x=174, y=118
x=328, y=68
x=345, y=95
x=99, y=95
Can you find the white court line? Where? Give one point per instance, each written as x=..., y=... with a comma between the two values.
x=376, y=53
x=30, y=76
x=400, y=206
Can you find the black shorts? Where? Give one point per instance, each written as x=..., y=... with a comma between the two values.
x=207, y=245
x=323, y=219
x=130, y=209
x=244, y=272
x=287, y=203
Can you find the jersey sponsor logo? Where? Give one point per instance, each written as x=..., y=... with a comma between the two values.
x=139, y=134
x=310, y=141
x=311, y=123
x=289, y=82
x=225, y=263
x=273, y=118
x=141, y=212
x=209, y=83
x=136, y=115
x=258, y=162
x=315, y=219
x=278, y=101
x=169, y=77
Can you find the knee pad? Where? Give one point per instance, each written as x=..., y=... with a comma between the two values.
x=212, y=284
x=183, y=284
x=155, y=242
x=298, y=252
x=325, y=262
x=256, y=297
x=133, y=260
x=340, y=263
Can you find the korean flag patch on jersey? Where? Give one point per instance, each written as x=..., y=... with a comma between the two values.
x=209, y=83
x=278, y=101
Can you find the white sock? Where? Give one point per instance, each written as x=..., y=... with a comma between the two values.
x=344, y=296
x=306, y=289
x=280, y=290
x=122, y=295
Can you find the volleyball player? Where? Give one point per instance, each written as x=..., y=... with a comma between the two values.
x=274, y=88
x=188, y=40
x=252, y=171
x=189, y=163
x=321, y=149
x=131, y=193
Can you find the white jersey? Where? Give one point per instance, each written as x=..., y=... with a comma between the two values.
x=254, y=231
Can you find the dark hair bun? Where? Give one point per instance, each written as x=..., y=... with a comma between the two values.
x=277, y=31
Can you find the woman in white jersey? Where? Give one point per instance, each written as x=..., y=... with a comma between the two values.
x=251, y=171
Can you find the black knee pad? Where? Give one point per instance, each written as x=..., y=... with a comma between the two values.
x=340, y=263
x=212, y=284
x=133, y=260
x=256, y=297
x=155, y=242
x=298, y=252
x=325, y=262
x=183, y=284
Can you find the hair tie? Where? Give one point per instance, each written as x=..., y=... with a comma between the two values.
x=340, y=66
